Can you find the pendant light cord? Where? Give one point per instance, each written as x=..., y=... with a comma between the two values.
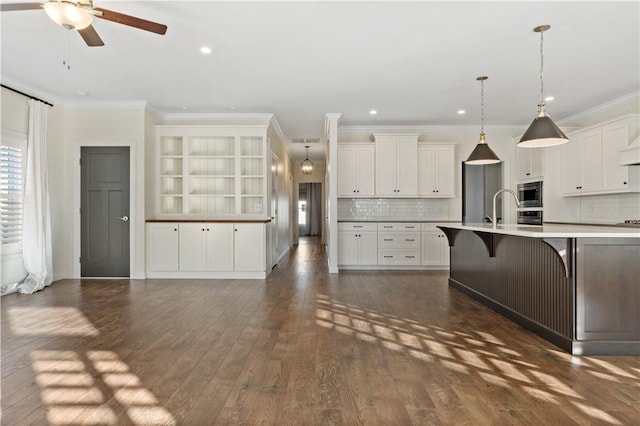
x=541, y=68
x=482, y=106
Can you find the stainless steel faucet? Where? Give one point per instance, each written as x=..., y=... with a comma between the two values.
x=495, y=217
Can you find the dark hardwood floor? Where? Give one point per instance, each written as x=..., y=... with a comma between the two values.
x=302, y=347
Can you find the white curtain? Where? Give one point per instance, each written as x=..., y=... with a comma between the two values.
x=36, y=220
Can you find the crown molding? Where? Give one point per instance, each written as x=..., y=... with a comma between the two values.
x=155, y=112
x=105, y=104
x=602, y=107
x=276, y=128
x=258, y=118
x=429, y=128
x=30, y=90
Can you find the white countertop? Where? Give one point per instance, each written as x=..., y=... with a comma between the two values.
x=551, y=230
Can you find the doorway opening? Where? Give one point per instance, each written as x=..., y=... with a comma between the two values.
x=310, y=212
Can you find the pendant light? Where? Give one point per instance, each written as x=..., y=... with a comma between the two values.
x=482, y=154
x=306, y=166
x=543, y=131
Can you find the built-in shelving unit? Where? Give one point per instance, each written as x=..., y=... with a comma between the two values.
x=211, y=170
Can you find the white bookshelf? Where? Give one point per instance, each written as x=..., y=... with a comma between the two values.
x=215, y=171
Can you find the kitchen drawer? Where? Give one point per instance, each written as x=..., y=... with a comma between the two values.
x=357, y=226
x=399, y=257
x=398, y=227
x=404, y=240
x=430, y=227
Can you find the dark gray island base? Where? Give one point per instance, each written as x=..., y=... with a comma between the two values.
x=577, y=288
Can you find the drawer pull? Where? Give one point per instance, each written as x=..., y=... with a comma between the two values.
x=357, y=226
x=409, y=239
x=388, y=239
x=387, y=227
x=388, y=257
x=410, y=257
x=410, y=227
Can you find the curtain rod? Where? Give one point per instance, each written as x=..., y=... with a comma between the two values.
x=24, y=94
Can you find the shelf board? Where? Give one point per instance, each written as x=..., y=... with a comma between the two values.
x=213, y=176
x=251, y=176
x=213, y=195
x=213, y=157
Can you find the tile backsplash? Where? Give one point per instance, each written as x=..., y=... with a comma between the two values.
x=365, y=209
x=608, y=209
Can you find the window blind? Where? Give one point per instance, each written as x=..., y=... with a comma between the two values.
x=11, y=180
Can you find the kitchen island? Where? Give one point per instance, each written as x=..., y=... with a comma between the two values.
x=576, y=286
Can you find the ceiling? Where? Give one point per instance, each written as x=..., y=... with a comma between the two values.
x=416, y=63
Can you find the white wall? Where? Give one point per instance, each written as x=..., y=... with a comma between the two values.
x=285, y=195
x=93, y=126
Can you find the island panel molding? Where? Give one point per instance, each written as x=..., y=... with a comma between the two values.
x=576, y=286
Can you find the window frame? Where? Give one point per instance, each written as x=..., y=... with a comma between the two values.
x=16, y=140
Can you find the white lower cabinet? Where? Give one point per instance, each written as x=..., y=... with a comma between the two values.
x=398, y=244
x=435, y=247
x=162, y=247
x=357, y=244
x=249, y=249
x=206, y=250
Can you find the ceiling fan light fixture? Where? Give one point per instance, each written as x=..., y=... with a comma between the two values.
x=68, y=15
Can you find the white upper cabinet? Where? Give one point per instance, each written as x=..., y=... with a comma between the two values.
x=590, y=160
x=356, y=170
x=436, y=170
x=396, y=170
x=529, y=163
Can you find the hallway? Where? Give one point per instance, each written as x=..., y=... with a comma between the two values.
x=301, y=347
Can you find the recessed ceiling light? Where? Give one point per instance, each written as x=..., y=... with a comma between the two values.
x=233, y=108
x=205, y=50
x=373, y=112
x=461, y=112
x=81, y=93
x=184, y=107
x=548, y=98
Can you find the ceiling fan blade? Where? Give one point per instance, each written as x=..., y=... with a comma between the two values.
x=91, y=37
x=132, y=21
x=8, y=7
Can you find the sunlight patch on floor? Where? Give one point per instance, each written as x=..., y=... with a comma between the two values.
x=50, y=321
x=73, y=396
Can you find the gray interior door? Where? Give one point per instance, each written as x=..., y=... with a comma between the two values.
x=104, y=212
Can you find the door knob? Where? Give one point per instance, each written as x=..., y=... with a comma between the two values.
x=123, y=218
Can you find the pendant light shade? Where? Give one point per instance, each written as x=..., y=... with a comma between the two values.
x=542, y=131
x=482, y=154
x=306, y=166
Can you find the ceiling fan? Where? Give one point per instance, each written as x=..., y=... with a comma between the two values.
x=78, y=15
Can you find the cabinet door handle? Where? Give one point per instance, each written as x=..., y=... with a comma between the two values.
x=175, y=229
x=528, y=174
x=624, y=183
